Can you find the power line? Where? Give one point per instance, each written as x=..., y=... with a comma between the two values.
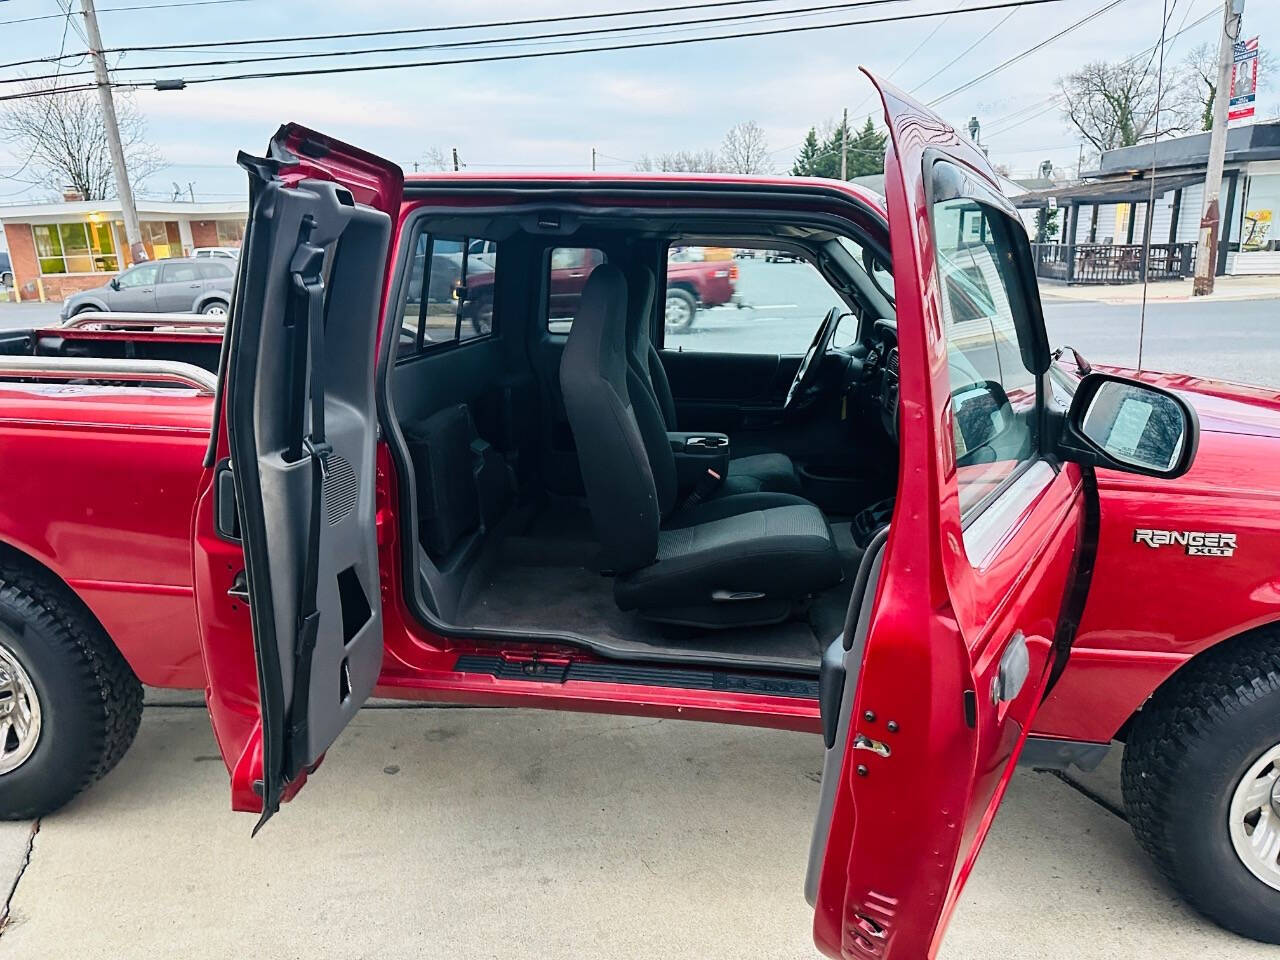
x=1106, y=7
x=1050, y=102
x=503, y=41
x=965, y=52
x=776, y=31
x=66, y=23
x=138, y=6
x=441, y=28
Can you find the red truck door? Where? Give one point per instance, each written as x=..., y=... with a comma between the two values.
x=928, y=696
x=285, y=540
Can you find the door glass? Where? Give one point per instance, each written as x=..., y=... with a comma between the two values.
x=993, y=394
x=143, y=276
x=744, y=300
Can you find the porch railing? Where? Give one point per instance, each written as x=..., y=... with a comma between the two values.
x=1113, y=262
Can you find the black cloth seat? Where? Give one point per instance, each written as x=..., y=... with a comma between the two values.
x=735, y=560
x=748, y=474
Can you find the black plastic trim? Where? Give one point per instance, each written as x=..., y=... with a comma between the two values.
x=633, y=674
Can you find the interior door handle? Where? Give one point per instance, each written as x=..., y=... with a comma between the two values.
x=1015, y=664
x=239, y=588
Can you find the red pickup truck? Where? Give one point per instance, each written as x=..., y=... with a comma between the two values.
x=691, y=285
x=930, y=544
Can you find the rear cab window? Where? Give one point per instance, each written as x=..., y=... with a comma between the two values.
x=449, y=294
x=568, y=269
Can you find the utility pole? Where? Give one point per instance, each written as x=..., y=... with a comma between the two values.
x=132, y=232
x=455, y=159
x=593, y=159
x=844, y=146
x=1207, y=252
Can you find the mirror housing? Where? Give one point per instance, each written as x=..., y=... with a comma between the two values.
x=1124, y=424
x=114, y=283
x=982, y=412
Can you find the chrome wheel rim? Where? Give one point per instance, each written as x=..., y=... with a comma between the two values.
x=678, y=312
x=1254, y=819
x=215, y=311
x=19, y=713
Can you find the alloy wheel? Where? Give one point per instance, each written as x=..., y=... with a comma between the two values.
x=1254, y=818
x=19, y=713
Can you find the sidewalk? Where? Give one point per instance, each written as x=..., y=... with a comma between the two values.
x=1167, y=291
x=475, y=834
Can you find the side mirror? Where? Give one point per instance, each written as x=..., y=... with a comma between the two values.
x=1123, y=424
x=981, y=412
x=114, y=283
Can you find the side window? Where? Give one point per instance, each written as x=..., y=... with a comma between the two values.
x=994, y=397
x=180, y=273
x=744, y=300
x=143, y=276
x=567, y=271
x=450, y=294
x=213, y=270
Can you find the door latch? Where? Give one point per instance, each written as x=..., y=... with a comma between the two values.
x=239, y=589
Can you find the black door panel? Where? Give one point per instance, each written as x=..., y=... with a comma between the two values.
x=734, y=393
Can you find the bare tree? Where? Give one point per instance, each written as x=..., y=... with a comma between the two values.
x=681, y=161
x=61, y=140
x=433, y=160
x=1114, y=104
x=1197, y=82
x=745, y=149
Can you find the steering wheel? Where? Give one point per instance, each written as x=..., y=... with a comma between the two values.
x=807, y=375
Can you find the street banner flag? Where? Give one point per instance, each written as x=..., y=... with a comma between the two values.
x=1244, y=80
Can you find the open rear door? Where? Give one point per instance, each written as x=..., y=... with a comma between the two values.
x=285, y=538
x=965, y=604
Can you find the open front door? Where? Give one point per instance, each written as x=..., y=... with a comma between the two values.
x=285, y=537
x=965, y=604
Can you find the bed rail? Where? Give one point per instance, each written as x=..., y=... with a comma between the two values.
x=110, y=368
x=110, y=320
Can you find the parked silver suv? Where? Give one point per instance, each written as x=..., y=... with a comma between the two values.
x=180, y=285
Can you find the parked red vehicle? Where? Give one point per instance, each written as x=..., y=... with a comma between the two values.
x=691, y=285
x=697, y=284
x=871, y=541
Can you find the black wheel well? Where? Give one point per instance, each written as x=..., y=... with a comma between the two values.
x=684, y=285
x=1222, y=650
x=11, y=556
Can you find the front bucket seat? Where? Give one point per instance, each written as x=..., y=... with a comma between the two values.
x=732, y=561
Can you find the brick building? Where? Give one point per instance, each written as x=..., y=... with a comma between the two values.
x=70, y=245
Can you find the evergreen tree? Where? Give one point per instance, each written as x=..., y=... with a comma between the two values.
x=809, y=150
x=821, y=158
x=866, y=151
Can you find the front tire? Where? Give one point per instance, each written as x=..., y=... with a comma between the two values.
x=69, y=703
x=681, y=308
x=1201, y=782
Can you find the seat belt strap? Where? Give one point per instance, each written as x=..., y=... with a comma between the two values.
x=307, y=301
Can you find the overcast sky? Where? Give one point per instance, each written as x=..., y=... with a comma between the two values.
x=551, y=112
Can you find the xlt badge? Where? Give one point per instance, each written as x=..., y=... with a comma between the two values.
x=1197, y=543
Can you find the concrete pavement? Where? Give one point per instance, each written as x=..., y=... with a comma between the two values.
x=482, y=833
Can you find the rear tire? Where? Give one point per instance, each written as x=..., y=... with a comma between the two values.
x=681, y=308
x=1199, y=767
x=214, y=309
x=87, y=701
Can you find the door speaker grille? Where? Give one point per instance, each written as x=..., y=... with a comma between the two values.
x=341, y=490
